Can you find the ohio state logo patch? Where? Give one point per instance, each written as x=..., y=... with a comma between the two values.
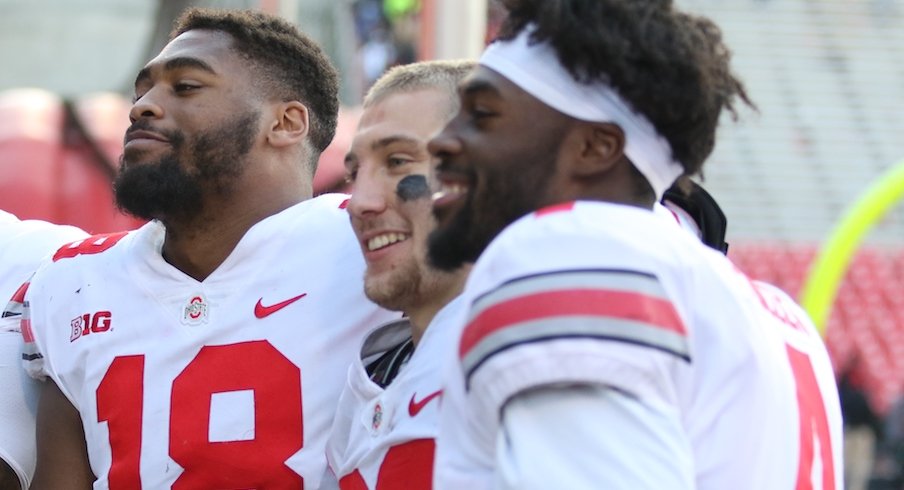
x=196, y=311
x=377, y=419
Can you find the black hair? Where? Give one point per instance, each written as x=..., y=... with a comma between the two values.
x=291, y=65
x=671, y=66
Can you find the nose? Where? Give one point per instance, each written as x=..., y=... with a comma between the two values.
x=145, y=107
x=369, y=194
x=445, y=143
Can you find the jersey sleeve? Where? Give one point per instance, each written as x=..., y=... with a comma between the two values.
x=552, y=308
x=19, y=401
x=17, y=409
x=17, y=319
x=23, y=247
x=553, y=438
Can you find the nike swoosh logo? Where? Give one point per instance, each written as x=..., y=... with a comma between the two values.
x=415, y=408
x=262, y=311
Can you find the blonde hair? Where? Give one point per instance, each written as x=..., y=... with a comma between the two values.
x=443, y=75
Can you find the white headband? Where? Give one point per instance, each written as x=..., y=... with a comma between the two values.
x=536, y=69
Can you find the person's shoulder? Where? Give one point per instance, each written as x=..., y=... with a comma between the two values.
x=530, y=234
x=25, y=245
x=580, y=235
x=89, y=246
x=598, y=221
x=333, y=204
x=93, y=254
x=324, y=211
x=784, y=308
x=35, y=236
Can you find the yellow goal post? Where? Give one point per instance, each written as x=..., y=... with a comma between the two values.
x=825, y=274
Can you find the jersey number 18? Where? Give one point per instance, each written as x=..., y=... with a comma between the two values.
x=255, y=463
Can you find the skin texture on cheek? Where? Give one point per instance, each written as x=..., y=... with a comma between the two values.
x=413, y=187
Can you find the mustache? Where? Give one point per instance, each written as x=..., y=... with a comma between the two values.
x=174, y=137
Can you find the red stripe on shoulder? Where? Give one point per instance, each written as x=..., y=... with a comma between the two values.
x=343, y=204
x=19, y=295
x=555, y=208
x=623, y=305
x=25, y=327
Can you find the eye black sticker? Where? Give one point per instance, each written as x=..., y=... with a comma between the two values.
x=413, y=187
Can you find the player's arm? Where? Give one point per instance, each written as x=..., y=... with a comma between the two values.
x=573, y=373
x=590, y=436
x=17, y=429
x=62, y=451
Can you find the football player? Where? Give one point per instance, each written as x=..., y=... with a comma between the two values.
x=206, y=349
x=383, y=434
x=604, y=347
x=23, y=244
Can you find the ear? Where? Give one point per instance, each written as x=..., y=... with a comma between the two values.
x=291, y=124
x=599, y=146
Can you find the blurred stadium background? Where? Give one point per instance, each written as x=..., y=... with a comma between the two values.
x=827, y=76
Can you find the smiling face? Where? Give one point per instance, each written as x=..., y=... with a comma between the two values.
x=498, y=162
x=194, y=122
x=390, y=206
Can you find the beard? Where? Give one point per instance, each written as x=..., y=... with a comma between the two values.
x=411, y=285
x=394, y=290
x=505, y=196
x=408, y=281
x=462, y=240
x=174, y=186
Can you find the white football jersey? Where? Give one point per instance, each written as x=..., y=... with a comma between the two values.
x=607, y=295
x=230, y=382
x=383, y=439
x=23, y=244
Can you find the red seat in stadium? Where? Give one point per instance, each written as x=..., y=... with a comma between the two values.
x=30, y=152
x=49, y=163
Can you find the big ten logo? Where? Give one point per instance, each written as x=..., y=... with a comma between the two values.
x=87, y=324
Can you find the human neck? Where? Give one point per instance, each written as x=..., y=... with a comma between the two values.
x=198, y=244
x=421, y=315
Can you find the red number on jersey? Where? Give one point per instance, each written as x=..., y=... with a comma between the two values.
x=353, y=481
x=254, y=463
x=814, y=424
x=408, y=465
x=89, y=246
x=119, y=402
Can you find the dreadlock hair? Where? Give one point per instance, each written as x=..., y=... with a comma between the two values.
x=443, y=75
x=289, y=65
x=670, y=66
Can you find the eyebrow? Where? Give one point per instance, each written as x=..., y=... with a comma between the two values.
x=177, y=64
x=352, y=159
x=390, y=140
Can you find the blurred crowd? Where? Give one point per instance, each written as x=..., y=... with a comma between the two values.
x=874, y=444
x=387, y=35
